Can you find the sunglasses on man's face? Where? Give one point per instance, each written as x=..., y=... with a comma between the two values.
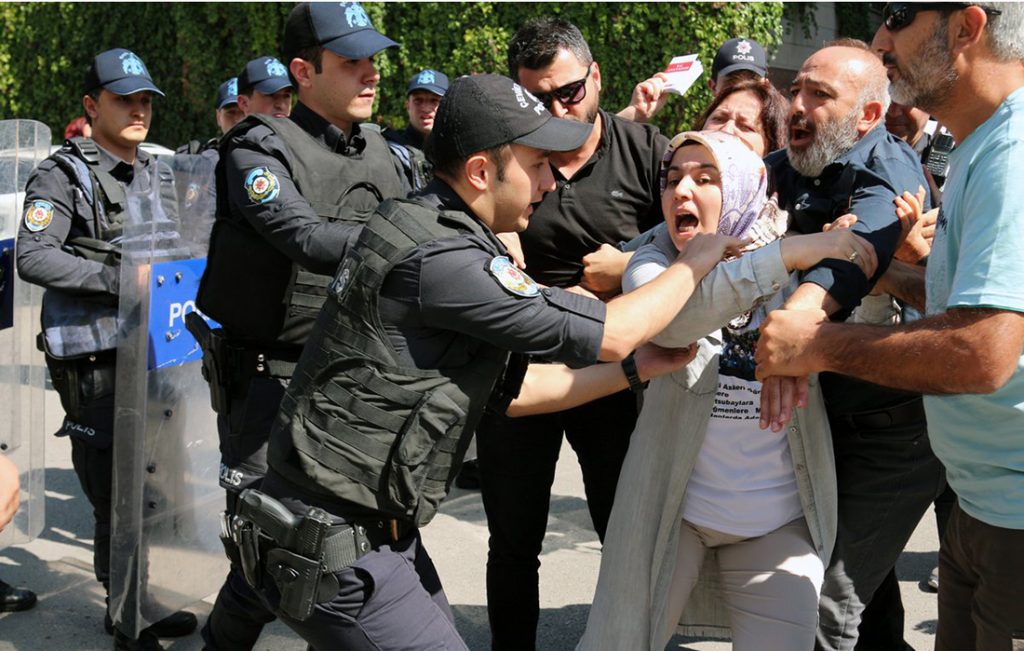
x=898, y=15
x=572, y=93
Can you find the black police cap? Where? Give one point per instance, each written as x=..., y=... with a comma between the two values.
x=121, y=72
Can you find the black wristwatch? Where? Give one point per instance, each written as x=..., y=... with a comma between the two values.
x=629, y=368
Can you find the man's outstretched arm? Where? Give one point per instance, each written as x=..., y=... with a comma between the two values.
x=964, y=350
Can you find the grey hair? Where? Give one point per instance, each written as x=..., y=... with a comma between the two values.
x=1006, y=31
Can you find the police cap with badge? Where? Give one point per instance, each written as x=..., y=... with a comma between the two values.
x=347, y=32
x=738, y=54
x=265, y=74
x=481, y=112
x=227, y=93
x=121, y=72
x=432, y=81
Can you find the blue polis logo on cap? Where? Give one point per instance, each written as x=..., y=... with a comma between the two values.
x=131, y=64
x=426, y=77
x=355, y=15
x=227, y=93
x=275, y=68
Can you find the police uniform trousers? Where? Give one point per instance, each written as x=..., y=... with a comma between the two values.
x=90, y=426
x=389, y=599
x=887, y=477
x=517, y=458
x=238, y=614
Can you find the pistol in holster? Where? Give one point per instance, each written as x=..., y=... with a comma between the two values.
x=290, y=548
x=217, y=355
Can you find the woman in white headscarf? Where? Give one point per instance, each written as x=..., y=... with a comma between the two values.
x=701, y=479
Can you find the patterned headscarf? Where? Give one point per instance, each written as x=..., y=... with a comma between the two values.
x=744, y=186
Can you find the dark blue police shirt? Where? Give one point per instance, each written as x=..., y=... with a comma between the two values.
x=863, y=181
x=444, y=291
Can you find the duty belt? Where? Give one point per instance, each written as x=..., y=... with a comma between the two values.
x=300, y=553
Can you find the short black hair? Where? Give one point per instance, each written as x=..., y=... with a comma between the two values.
x=95, y=95
x=313, y=53
x=538, y=41
x=448, y=163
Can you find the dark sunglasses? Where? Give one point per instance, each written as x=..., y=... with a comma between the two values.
x=898, y=15
x=572, y=93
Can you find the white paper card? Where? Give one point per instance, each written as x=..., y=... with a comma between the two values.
x=682, y=72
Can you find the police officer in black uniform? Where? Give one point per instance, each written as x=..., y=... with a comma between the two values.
x=227, y=115
x=412, y=343
x=426, y=88
x=68, y=242
x=292, y=192
x=264, y=87
x=228, y=112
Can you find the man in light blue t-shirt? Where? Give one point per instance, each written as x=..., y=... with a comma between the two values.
x=962, y=64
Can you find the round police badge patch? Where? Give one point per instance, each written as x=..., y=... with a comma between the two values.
x=512, y=278
x=38, y=215
x=261, y=185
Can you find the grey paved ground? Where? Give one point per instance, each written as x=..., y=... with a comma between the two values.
x=58, y=567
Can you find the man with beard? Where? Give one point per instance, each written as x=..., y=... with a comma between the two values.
x=607, y=192
x=840, y=160
x=962, y=64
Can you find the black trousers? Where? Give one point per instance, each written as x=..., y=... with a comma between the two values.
x=94, y=467
x=238, y=614
x=888, y=477
x=86, y=390
x=517, y=459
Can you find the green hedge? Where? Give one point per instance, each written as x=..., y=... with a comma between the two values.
x=190, y=48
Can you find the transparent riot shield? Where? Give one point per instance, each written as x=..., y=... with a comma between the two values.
x=23, y=144
x=165, y=546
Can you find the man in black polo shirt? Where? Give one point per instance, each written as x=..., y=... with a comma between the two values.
x=607, y=192
x=292, y=195
x=840, y=160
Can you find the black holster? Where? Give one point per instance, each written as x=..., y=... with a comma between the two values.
x=228, y=368
x=289, y=548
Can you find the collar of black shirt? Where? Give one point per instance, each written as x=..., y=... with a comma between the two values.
x=440, y=196
x=121, y=169
x=326, y=133
x=602, y=147
x=413, y=137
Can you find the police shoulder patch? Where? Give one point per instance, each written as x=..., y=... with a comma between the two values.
x=38, y=215
x=261, y=185
x=512, y=278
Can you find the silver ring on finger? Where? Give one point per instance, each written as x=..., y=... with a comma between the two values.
x=852, y=257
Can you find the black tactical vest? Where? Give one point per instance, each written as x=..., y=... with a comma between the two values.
x=362, y=427
x=74, y=326
x=79, y=159
x=275, y=299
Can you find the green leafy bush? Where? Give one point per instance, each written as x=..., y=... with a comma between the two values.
x=190, y=48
